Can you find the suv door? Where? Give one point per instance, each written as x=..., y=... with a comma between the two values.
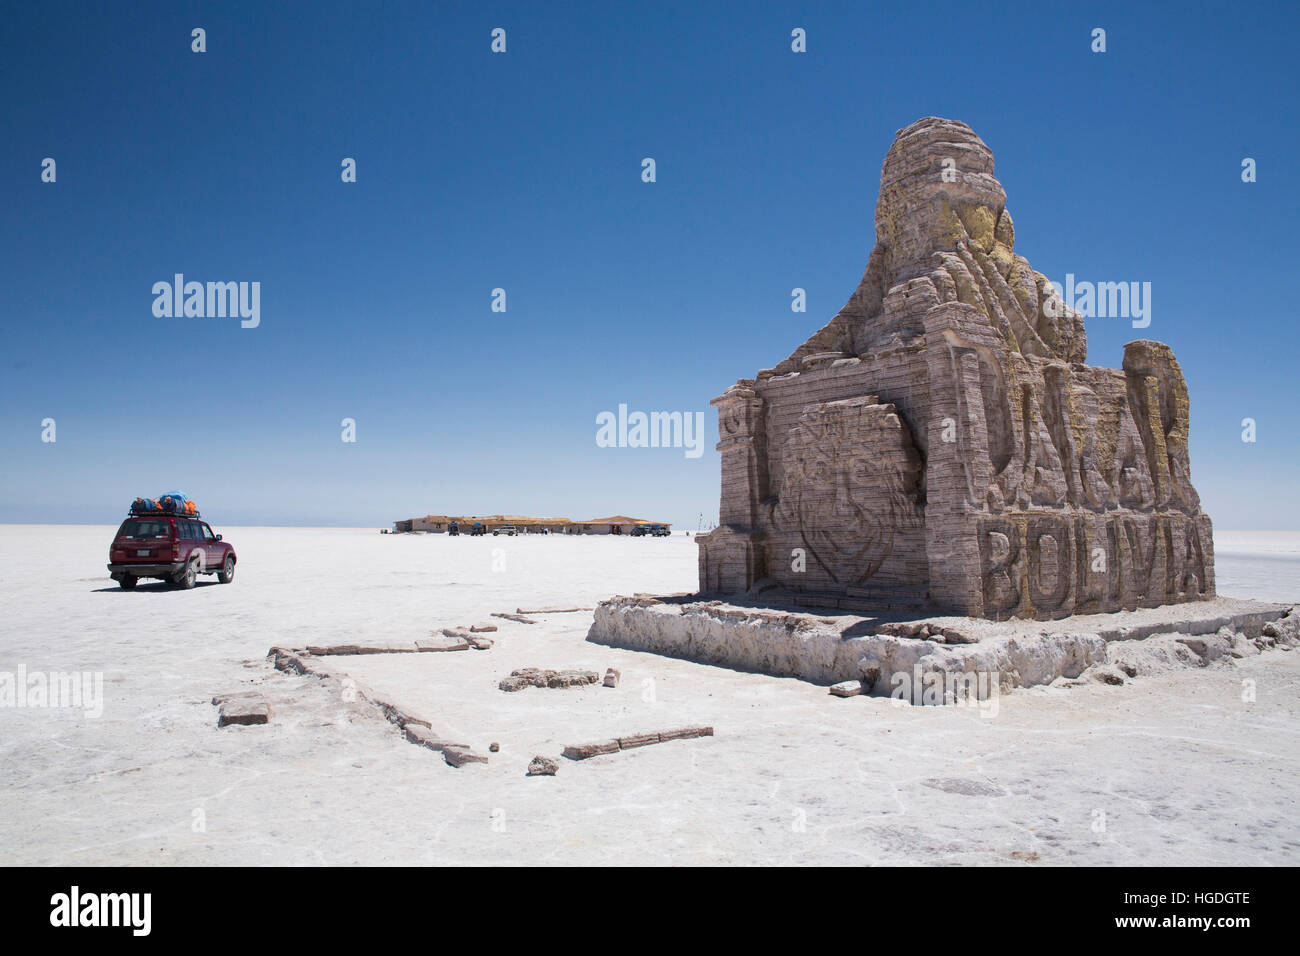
x=212, y=548
x=190, y=541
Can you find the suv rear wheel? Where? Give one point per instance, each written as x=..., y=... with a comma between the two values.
x=227, y=572
x=128, y=582
x=190, y=576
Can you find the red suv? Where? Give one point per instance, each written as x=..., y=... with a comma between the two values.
x=172, y=547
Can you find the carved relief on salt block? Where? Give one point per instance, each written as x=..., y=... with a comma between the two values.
x=849, y=496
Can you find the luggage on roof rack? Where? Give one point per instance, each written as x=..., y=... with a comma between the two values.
x=172, y=503
x=175, y=503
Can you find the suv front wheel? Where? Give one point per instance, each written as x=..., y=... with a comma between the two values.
x=227, y=572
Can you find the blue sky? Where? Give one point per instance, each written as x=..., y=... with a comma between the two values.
x=522, y=171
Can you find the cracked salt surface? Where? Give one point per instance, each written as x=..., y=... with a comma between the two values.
x=1178, y=764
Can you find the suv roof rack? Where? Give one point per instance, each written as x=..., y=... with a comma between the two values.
x=159, y=513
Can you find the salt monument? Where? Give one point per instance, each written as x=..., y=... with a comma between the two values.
x=942, y=441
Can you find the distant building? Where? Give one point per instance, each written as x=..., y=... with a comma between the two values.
x=619, y=524
x=439, y=524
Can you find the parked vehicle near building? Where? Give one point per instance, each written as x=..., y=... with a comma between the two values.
x=655, y=530
x=506, y=529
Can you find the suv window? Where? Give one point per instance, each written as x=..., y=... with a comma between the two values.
x=207, y=532
x=187, y=530
x=145, y=528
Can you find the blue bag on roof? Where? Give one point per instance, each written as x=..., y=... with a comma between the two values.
x=173, y=502
x=178, y=503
